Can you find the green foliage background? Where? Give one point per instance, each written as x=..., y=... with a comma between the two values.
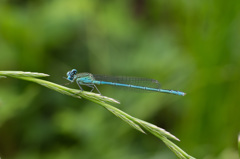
x=192, y=46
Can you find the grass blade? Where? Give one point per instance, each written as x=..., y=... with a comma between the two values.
x=22, y=74
x=71, y=92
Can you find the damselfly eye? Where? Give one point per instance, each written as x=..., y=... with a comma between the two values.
x=74, y=71
x=68, y=73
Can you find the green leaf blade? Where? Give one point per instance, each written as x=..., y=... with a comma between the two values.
x=17, y=74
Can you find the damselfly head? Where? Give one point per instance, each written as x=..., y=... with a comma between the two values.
x=70, y=75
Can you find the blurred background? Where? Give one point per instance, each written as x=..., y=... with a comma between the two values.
x=191, y=46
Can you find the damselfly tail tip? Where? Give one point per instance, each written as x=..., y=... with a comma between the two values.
x=184, y=94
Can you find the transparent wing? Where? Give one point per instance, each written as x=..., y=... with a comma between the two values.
x=137, y=81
